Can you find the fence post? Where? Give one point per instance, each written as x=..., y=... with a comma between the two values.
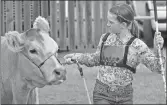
x=36, y=10
x=0, y=49
x=62, y=19
x=53, y=20
x=93, y=23
x=97, y=28
x=44, y=8
x=9, y=16
x=18, y=16
x=88, y=23
x=27, y=22
x=79, y=25
x=1, y=28
x=2, y=18
x=104, y=16
x=84, y=32
x=71, y=29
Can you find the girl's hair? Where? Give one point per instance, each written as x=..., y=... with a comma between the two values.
x=126, y=14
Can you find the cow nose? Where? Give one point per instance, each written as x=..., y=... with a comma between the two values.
x=64, y=78
x=57, y=72
x=60, y=71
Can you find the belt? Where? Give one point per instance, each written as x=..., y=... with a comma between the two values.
x=115, y=88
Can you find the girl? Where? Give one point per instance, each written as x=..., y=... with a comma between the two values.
x=116, y=68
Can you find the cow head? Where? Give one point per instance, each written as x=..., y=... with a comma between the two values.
x=37, y=51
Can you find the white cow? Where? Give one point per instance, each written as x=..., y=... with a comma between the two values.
x=29, y=61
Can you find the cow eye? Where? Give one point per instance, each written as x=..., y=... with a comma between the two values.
x=33, y=51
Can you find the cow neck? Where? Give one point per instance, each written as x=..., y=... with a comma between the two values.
x=14, y=67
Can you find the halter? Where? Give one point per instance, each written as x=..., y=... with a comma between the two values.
x=39, y=66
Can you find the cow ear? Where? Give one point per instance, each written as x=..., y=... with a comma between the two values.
x=42, y=24
x=31, y=33
x=14, y=41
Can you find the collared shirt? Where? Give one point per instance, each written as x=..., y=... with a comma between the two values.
x=138, y=53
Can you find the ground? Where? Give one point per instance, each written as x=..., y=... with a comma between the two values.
x=148, y=87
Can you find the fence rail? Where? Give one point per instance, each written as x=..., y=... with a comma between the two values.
x=74, y=24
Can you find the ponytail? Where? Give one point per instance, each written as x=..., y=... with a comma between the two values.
x=134, y=29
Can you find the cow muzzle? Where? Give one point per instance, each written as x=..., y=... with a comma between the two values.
x=60, y=75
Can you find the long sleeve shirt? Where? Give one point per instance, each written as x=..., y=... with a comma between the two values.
x=112, y=76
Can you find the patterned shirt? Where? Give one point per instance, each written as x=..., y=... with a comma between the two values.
x=119, y=76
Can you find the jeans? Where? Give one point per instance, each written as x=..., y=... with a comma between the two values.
x=103, y=94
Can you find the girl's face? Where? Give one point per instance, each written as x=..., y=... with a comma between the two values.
x=114, y=26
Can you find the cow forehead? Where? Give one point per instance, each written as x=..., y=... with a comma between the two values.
x=48, y=44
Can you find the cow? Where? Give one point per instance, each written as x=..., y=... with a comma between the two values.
x=28, y=62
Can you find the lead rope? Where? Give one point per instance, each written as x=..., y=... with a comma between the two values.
x=159, y=49
x=81, y=73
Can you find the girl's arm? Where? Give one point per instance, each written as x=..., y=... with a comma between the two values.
x=89, y=59
x=149, y=58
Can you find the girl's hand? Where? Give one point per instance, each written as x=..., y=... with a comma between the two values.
x=68, y=58
x=158, y=40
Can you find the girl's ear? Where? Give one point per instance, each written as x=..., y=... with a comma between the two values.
x=124, y=25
